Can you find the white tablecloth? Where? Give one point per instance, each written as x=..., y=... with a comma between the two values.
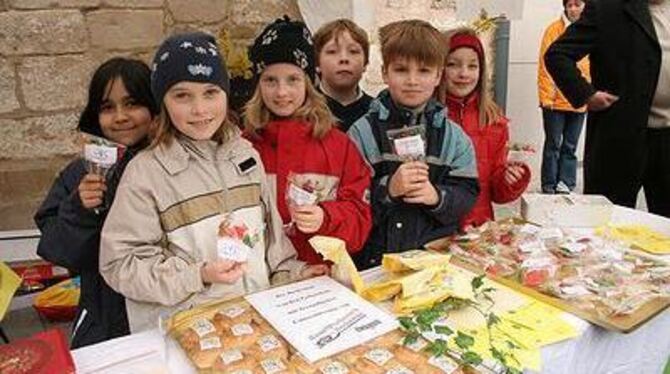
x=595, y=351
x=644, y=351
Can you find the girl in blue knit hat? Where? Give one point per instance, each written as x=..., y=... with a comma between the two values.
x=194, y=219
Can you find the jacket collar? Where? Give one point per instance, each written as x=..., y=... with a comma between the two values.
x=273, y=129
x=175, y=156
x=459, y=102
x=386, y=109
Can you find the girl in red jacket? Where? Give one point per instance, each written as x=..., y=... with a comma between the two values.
x=320, y=178
x=464, y=92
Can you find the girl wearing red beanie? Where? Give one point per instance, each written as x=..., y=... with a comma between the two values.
x=463, y=91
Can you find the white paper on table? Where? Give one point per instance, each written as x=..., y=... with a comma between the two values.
x=320, y=317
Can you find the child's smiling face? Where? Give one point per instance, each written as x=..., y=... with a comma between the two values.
x=283, y=88
x=197, y=110
x=122, y=119
x=461, y=72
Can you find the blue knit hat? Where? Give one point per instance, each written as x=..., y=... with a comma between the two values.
x=191, y=57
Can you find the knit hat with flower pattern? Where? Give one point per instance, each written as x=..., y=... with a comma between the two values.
x=191, y=57
x=284, y=41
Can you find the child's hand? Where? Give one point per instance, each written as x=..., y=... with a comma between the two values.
x=514, y=173
x=308, y=218
x=222, y=271
x=426, y=195
x=315, y=270
x=408, y=177
x=91, y=190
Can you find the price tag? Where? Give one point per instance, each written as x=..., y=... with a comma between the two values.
x=410, y=146
x=203, y=327
x=210, y=343
x=230, y=356
x=232, y=249
x=300, y=196
x=100, y=154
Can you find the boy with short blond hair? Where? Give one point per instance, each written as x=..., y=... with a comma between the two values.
x=343, y=51
x=424, y=170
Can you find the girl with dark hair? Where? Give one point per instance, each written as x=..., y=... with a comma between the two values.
x=120, y=108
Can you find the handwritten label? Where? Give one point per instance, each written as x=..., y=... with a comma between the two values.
x=301, y=197
x=230, y=356
x=210, y=343
x=410, y=146
x=203, y=327
x=100, y=154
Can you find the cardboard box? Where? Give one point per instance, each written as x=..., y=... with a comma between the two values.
x=566, y=210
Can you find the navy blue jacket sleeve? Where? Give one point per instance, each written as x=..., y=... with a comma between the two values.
x=70, y=233
x=578, y=40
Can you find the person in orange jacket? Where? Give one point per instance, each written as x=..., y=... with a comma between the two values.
x=464, y=92
x=562, y=122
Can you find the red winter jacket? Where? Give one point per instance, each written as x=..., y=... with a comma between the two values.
x=334, y=166
x=490, y=144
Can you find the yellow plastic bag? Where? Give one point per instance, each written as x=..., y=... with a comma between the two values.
x=59, y=302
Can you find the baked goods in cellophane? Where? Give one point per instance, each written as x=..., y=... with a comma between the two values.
x=231, y=337
x=592, y=272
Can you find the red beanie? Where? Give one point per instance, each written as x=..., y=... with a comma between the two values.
x=461, y=40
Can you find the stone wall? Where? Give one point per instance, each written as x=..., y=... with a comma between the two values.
x=49, y=49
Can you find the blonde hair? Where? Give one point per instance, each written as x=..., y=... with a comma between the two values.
x=314, y=111
x=163, y=131
x=335, y=29
x=412, y=39
x=489, y=111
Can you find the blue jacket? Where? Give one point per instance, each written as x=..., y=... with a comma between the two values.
x=399, y=226
x=71, y=238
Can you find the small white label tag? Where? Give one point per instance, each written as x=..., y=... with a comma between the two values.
x=268, y=343
x=230, y=356
x=379, y=356
x=399, y=370
x=443, y=363
x=232, y=249
x=203, y=327
x=242, y=329
x=210, y=343
x=334, y=367
x=273, y=366
x=416, y=346
x=410, y=146
x=300, y=196
x=233, y=311
x=100, y=154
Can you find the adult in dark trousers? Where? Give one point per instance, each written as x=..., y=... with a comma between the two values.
x=628, y=128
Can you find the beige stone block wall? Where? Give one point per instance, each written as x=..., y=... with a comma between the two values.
x=48, y=51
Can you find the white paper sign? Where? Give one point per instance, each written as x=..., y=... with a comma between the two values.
x=320, y=317
x=300, y=196
x=410, y=146
x=100, y=154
